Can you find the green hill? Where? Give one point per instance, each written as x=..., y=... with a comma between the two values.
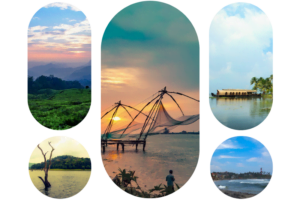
x=66, y=162
x=60, y=109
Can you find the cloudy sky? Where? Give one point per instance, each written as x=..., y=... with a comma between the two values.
x=62, y=145
x=241, y=154
x=59, y=32
x=241, y=47
x=145, y=47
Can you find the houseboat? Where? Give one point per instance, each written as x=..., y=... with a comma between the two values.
x=236, y=93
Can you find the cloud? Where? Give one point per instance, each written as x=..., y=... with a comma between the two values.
x=240, y=165
x=62, y=39
x=228, y=144
x=119, y=77
x=215, y=168
x=156, y=19
x=62, y=6
x=36, y=18
x=253, y=159
x=264, y=152
x=252, y=139
x=229, y=157
x=240, y=43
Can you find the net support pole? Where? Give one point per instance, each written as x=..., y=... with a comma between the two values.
x=144, y=145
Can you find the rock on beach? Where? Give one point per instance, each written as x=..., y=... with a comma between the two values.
x=231, y=195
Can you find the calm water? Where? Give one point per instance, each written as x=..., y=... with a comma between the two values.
x=254, y=186
x=182, y=153
x=64, y=184
x=163, y=152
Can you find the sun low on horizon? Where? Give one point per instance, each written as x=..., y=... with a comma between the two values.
x=116, y=118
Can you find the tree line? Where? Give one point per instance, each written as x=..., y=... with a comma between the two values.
x=50, y=82
x=263, y=85
x=246, y=175
x=65, y=162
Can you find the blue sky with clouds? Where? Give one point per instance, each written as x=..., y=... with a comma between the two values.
x=244, y=153
x=241, y=154
x=241, y=47
x=59, y=32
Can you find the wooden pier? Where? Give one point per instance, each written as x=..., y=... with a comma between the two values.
x=104, y=143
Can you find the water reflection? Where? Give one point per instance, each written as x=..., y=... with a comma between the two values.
x=114, y=155
x=261, y=108
x=252, y=107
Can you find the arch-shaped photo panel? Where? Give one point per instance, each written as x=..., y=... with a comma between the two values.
x=62, y=67
x=251, y=82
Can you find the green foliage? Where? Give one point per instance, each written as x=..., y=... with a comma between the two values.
x=124, y=180
x=60, y=109
x=264, y=85
x=66, y=162
x=50, y=82
x=246, y=175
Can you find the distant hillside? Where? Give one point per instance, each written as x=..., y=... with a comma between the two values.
x=80, y=73
x=58, y=70
x=65, y=162
x=87, y=74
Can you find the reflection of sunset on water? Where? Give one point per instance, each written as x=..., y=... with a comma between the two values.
x=113, y=155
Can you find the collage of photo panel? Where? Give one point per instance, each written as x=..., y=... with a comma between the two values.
x=150, y=98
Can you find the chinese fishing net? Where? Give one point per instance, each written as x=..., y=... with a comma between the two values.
x=161, y=123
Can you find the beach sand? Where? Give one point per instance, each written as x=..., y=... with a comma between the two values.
x=238, y=195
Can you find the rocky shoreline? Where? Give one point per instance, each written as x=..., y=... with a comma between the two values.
x=237, y=195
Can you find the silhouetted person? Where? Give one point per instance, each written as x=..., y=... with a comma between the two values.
x=170, y=180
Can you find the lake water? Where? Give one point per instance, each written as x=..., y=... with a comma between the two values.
x=64, y=184
x=163, y=152
x=182, y=153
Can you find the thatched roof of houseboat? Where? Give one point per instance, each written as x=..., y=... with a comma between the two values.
x=237, y=90
x=223, y=91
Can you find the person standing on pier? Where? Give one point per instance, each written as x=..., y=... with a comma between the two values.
x=170, y=180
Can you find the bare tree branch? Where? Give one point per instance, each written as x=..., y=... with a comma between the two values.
x=50, y=154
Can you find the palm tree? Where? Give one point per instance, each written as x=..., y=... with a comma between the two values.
x=269, y=86
x=254, y=81
x=271, y=78
x=271, y=81
x=262, y=84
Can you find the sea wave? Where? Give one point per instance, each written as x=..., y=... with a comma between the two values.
x=252, y=181
x=222, y=187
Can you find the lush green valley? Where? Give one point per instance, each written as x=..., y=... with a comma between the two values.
x=58, y=108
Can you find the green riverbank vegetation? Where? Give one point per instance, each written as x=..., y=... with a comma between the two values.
x=65, y=163
x=265, y=86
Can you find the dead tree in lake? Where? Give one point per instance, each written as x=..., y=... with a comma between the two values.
x=46, y=168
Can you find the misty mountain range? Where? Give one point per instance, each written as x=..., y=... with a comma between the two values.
x=60, y=70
